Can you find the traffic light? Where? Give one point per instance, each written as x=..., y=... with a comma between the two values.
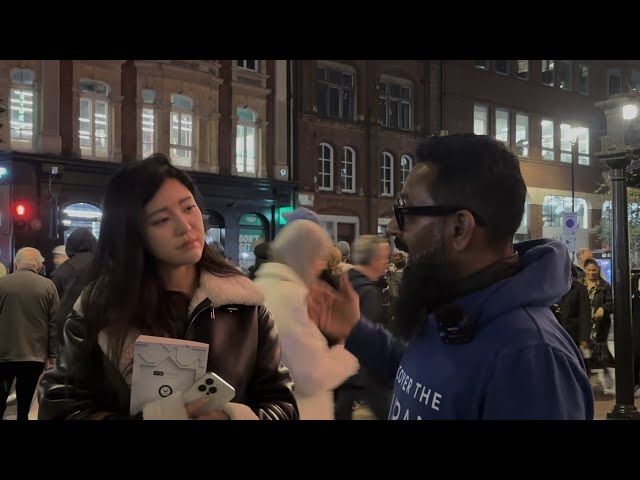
x=21, y=213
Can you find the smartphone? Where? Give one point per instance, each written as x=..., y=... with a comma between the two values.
x=217, y=391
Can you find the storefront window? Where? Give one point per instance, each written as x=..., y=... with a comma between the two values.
x=215, y=234
x=252, y=231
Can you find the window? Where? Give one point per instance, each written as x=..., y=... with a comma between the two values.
x=181, y=140
x=565, y=74
x=635, y=80
x=246, y=142
x=480, y=120
x=522, y=135
x=614, y=81
x=148, y=122
x=395, y=105
x=583, y=145
x=22, y=115
x=406, y=164
x=566, y=137
x=340, y=227
x=325, y=167
x=81, y=215
x=348, y=170
x=554, y=206
x=548, y=72
x=482, y=64
x=248, y=64
x=582, y=86
x=523, y=69
x=522, y=233
x=252, y=231
x=386, y=175
x=502, y=125
x=93, y=128
x=503, y=67
x=334, y=93
x=548, y=145
x=633, y=211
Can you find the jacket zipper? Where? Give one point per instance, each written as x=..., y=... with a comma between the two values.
x=202, y=306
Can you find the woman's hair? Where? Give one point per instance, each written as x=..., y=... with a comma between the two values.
x=335, y=258
x=399, y=259
x=591, y=261
x=125, y=290
x=298, y=245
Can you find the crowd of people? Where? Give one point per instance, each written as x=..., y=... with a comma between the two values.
x=448, y=320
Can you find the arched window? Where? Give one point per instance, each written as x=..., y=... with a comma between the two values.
x=554, y=206
x=23, y=109
x=348, y=170
x=215, y=228
x=386, y=175
x=93, y=127
x=325, y=167
x=247, y=142
x=81, y=215
x=181, y=140
x=406, y=164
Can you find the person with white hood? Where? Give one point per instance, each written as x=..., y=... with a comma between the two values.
x=299, y=253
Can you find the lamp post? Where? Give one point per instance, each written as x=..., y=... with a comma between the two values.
x=2, y=110
x=617, y=158
x=574, y=154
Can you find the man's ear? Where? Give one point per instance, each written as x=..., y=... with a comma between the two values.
x=462, y=228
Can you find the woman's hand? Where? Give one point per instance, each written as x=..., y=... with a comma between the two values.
x=599, y=313
x=196, y=405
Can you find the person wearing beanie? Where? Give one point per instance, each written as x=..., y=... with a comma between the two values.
x=302, y=213
x=299, y=253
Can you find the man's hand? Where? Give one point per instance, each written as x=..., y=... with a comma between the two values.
x=335, y=312
x=51, y=362
x=599, y=313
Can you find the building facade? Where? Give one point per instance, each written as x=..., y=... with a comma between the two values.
x=357, y=124
x=73, y=123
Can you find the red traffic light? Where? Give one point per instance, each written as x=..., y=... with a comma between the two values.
x=21, y=210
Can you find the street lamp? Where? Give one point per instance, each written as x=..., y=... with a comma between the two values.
x=2, y=110
x=618, y=157
x=573, y=139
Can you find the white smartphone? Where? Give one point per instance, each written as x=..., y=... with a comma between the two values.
x=214, y=388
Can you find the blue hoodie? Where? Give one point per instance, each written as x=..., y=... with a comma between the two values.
x=521, y=364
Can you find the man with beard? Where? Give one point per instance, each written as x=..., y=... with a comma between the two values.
x=483, y=342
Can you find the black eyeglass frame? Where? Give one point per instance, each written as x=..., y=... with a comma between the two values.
x=400, y=211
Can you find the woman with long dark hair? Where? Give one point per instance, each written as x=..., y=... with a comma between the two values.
x=601, y=299
x=154, y=274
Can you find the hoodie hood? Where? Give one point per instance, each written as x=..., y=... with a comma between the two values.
x=544, y=278
x=81, y=240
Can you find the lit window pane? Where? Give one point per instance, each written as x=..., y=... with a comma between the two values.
x=480, y=120
x=502, y=126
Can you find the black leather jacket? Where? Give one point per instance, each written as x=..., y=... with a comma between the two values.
x=244, y=350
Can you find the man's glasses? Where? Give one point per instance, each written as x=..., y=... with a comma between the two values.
x=400, y=210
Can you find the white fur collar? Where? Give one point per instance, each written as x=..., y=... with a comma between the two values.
x=233, y=290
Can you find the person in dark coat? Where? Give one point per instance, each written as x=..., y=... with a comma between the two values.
x=80, y=249
x=574, y=311
x=261, y=252
x=601, y=298
x=370, y=255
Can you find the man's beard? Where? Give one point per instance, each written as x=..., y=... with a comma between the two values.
x=427, y=282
